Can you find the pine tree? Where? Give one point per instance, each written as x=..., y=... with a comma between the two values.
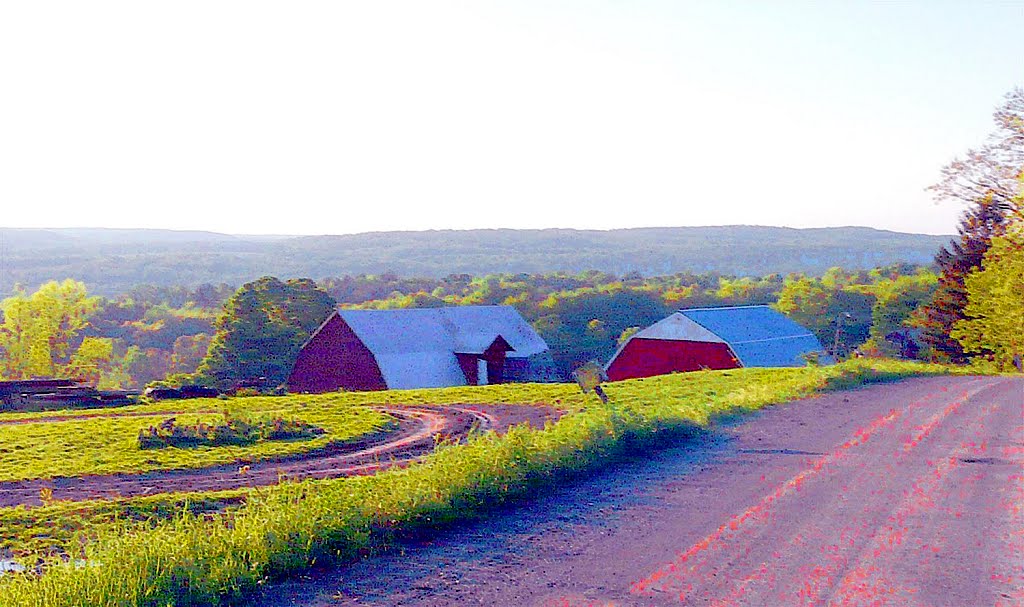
x=263, y=326
x=956, y=261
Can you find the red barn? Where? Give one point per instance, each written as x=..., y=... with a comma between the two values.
x=714, y=338
x=420, y=348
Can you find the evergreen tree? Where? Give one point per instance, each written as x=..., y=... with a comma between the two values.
x=261, y=330
x=956, y=261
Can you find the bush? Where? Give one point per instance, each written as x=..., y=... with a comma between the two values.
x=234, y=431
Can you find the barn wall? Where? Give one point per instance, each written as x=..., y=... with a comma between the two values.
x=467, y=362
x=650, y=357
x=335, y=358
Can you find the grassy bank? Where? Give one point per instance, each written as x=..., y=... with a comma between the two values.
x=220, y=558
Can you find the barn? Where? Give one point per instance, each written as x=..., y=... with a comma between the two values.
x=714, y=338
x=420, y=348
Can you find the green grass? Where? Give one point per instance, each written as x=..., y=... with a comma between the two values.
x=106, y=445
x=219, y=558
x=62, y=528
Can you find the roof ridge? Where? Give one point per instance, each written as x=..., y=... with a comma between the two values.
x=340, y=308
x=748, y=306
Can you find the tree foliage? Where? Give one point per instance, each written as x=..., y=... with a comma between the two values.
x=164, y=334
x=898, y=299
x=987, y=180
x=994, y=314
x=40, y=334
x=978, y=226
x=261, y=330
x=838, y=315
x=94, y=362
x=585, y=324
x=991, y=172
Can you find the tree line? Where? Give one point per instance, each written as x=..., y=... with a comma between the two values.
x=226, y=337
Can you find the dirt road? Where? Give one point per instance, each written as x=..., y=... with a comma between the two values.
x=419, y=427
x=901, y=494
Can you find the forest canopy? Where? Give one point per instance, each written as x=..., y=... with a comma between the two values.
x=223, y=336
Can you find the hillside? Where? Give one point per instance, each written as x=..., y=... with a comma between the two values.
x=112, y=261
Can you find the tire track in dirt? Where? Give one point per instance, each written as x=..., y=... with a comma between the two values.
x=420, y=428
x=867, y=511
x=912, y=533
x=695, y=568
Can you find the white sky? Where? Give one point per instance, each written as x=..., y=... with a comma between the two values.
x=338, y=117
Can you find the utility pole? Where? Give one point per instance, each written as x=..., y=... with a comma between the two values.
x=839, y=326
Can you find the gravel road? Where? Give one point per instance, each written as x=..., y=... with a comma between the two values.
x=908, y=494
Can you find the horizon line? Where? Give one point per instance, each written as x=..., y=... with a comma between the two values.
x=478, y=229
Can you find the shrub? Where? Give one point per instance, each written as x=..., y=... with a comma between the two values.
x=234, y=431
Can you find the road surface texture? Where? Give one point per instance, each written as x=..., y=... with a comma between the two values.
x=908, y=494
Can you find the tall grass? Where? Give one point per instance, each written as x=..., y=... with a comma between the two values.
x=223, y=558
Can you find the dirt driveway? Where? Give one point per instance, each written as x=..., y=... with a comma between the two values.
x=419, y=427
x=900, y=494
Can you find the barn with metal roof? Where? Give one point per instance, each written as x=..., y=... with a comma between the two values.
x=714, y=338
x=420, y=348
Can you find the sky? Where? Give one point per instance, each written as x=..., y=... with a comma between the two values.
x=339, y=117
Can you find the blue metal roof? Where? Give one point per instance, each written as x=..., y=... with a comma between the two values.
x=758, y=335
x=415, y=348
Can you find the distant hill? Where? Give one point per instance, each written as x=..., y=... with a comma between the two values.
x=112, y=261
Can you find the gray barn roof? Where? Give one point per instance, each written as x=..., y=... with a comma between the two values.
x=758, y=335
x=415, y=348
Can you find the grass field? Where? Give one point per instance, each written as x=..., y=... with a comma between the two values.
x=215, y=549
x=104, y=444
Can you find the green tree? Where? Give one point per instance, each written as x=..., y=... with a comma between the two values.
x=41, y=332
x=145, y=365
x=805, y=300
x=261, y=330
x=627, y=333
x=94, y=362
x=898, y=300
x=188, y=352
x=978, y=226
x=994, y=314
x=987, y=180
x=583, y=324
x=834, y=308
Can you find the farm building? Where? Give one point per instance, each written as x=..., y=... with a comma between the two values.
x=420, y=348
x=714, y=338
